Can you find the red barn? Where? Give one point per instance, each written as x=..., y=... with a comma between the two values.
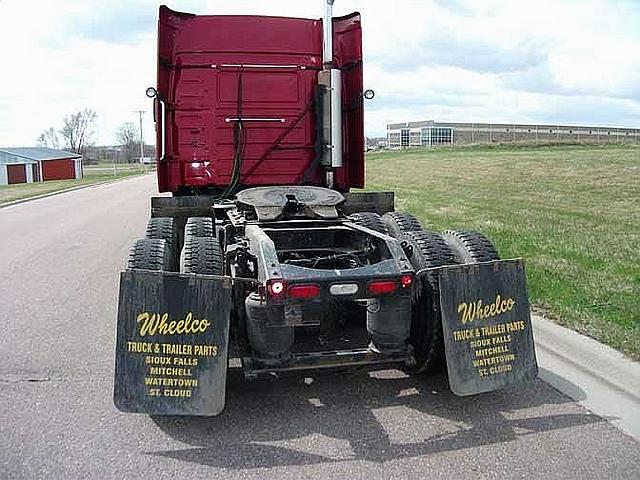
x=36, y=164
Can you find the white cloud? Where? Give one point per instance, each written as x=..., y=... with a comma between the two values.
x=56, y=71
x=548, y=61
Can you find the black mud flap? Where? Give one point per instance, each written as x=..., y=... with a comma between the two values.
x=172, y=340
x=487, y=327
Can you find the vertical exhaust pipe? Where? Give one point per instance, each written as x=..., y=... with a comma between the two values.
x=333, y=114
x=327, y=37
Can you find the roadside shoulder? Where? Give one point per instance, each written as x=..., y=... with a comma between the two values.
x=71, y=189
x=600, y=378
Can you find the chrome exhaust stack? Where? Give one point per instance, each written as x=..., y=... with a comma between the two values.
x=331, y=79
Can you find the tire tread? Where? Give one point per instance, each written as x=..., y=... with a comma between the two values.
x=470, y=246
x=150, y=254
x=398, y=223
x=200, y=227
x=370, y=220
x=201, y=255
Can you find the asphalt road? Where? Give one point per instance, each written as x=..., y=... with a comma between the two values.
x=59, y=266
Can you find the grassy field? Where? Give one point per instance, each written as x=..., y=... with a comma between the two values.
x=92, y=174
x=572, y=212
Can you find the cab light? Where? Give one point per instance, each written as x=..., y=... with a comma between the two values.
x=381, y=287
x=309, y=290
x=275, y=287
x=406, y=281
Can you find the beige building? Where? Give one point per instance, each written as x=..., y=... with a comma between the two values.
x=431, y=133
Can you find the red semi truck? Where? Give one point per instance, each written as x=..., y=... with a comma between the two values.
x=264, y=258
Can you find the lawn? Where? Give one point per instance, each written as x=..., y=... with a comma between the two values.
x=92, y=174
x=572, y=212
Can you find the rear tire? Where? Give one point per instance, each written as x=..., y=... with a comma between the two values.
x=199, y=227
x=469, y=246
x=150, y=254
x=162, y=227
x=398, y=223
x=429, y=250
x=165, y=228
x=201, y=255
x=369, y=220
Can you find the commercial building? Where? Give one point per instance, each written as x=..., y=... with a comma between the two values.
x=38, y=164
x=430, y=133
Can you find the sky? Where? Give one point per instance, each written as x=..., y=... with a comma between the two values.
x=558, y=62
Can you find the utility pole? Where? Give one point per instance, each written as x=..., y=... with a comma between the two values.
x=141, y=114
x=113, y=161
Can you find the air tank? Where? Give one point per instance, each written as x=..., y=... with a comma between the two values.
x=389, y=323
x=269, y=336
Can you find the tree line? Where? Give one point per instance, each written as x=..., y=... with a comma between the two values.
x=77, y=132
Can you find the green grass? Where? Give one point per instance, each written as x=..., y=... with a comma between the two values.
x=92, y=174
x=573, y=213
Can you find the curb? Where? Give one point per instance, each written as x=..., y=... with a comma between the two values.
x=598, y=377
x=66, y=190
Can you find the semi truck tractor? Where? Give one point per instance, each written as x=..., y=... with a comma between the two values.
x=264, y=255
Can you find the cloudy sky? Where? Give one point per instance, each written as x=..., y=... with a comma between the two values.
x=573, y=62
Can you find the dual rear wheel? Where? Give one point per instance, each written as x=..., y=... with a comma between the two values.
x=429, y=249
x=160, y=249
x=201, y=252
x=157, y=251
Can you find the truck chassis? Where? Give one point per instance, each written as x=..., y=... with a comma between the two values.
x=310, y=284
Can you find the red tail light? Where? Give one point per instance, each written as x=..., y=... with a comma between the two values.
x=381, y=287
x=406, y=281
x=309, y=290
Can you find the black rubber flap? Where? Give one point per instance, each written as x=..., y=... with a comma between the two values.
x=487, y=326
x=172, y=339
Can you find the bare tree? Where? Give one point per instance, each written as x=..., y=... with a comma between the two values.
x=77, y=129
x=127, y=136
x=49, y=138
